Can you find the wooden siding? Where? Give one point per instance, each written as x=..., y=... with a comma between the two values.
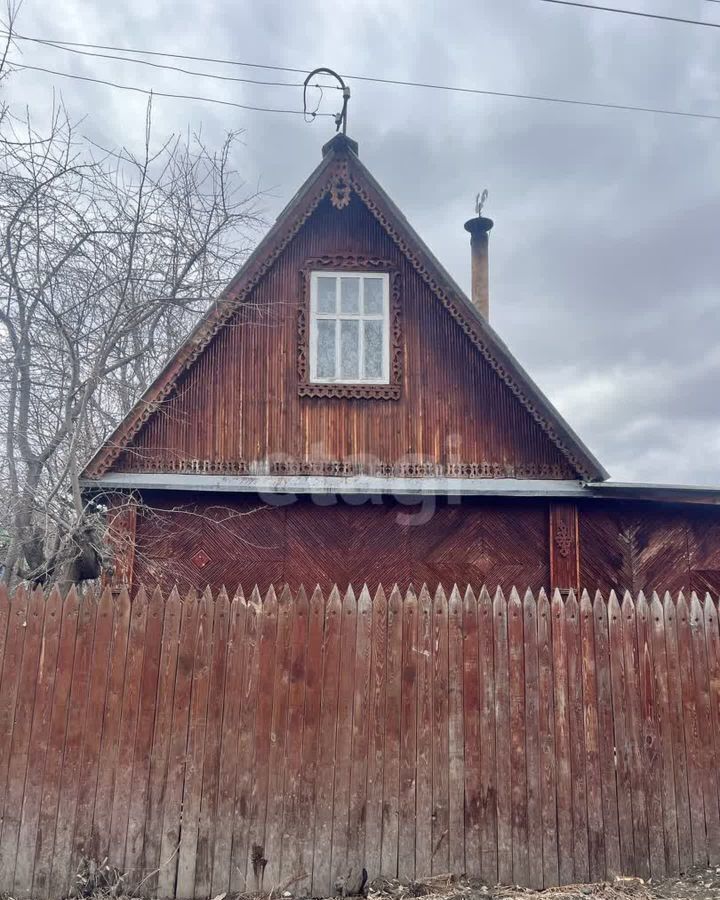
x=634, y=546
x=250, y=542
x=239, y=404
x=622, y=546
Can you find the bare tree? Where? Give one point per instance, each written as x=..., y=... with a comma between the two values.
x=106, y=259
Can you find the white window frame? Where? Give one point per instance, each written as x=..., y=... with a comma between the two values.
x=361, y=317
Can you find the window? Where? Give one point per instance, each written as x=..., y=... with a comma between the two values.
x=349, y=328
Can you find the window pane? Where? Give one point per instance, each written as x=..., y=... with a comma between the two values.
x=326, y=295
x=349, y=348
x=373, y=289
x=325, y=348
x=350, y=295
x=373, y=348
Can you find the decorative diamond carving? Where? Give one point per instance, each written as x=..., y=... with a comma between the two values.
x=200, y=559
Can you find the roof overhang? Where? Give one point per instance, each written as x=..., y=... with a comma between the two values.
x=334, y=484
x=375, y=485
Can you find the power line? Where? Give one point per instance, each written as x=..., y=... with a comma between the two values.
x=154, y=93
x=633, y=12
x=366, y=78
x=154, y=65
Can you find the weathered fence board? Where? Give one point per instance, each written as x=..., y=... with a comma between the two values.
x=206, y=745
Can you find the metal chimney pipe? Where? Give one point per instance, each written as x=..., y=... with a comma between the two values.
x=479, y=228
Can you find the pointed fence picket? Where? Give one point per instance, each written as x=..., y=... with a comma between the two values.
x=210, y=744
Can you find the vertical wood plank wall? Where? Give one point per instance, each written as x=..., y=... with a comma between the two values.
x=536, y=739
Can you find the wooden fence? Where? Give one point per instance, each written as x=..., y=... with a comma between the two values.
x=529, y=740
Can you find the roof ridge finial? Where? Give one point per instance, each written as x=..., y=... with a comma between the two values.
x=341, y=117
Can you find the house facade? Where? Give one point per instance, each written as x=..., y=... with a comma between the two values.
x=344, y=413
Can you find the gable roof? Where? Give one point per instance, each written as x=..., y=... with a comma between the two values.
x=339, y=174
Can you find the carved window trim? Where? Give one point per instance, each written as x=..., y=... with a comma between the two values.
x=346, y=263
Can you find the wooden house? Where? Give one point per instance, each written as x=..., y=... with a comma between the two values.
x=345, y=413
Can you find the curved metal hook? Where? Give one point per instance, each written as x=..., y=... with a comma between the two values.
x=341, y=117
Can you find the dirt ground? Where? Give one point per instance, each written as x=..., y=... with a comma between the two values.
x=700, y=884
x=104, y=883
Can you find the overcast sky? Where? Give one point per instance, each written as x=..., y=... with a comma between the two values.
x=605, y=266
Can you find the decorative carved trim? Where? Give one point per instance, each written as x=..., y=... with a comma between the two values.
x=418, y=469
x=563, y=539
x=340, y=191
x=306, y=388
x=455, y=305
x=564, y=546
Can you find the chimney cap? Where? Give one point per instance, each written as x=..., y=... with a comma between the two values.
x=479, y=225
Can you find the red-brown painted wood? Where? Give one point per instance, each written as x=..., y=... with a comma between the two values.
x=143, y=739
x=192, y=787
x=310, y=742
x=408, y=739
x=546, y=727
x=441, y=735
x=213, y=737
x=518, y=759
x=665, y=737
x=361, y=701
x=488, y=784
x=471, y=714
x=56, y=744
x=502, y=740
x=159, y=756
x=291, y=866
x=280, y=682
x=650, y=749
x=240, y=876
x=343, y=736
x=9, y=685
x=566, y=868
x=177, y=751
x=18, y=736
x=227, y=772
x=62, y=863
x=577, y=739
x=456, y=818
x=647, y=678
x=39, y=740
x=128, y=729
x=532, y=742
x=89, y=768
x=596, y=835
x=637, y=779
x=622, y=734
x=708, y=760
x=110, y=743
x=680, y=758
x=712, y=639
x=606, y=741
x=376, y=735
x=423, y=792
x=391, y=759
x=692, y=733
x=321, y=881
